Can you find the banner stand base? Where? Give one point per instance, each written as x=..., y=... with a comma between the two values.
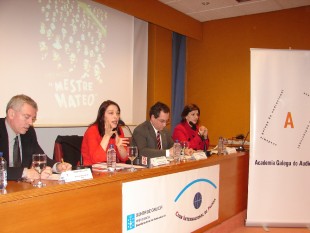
x=267, y=225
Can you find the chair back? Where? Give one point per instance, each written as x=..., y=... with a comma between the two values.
x=68, y=148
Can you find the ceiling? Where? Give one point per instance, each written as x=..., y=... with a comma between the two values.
x=206, y=10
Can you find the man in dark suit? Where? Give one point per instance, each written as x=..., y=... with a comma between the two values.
x=21, y=112
x=145, y=135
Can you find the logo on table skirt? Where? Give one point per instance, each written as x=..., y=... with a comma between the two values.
x=131, y=222
x=195, y=196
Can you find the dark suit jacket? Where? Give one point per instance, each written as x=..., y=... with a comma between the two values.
x=144, y=138
x=30, y=146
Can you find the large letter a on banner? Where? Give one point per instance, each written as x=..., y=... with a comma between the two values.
x=289, y=120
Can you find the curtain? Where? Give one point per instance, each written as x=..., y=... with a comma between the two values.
x=178, y=77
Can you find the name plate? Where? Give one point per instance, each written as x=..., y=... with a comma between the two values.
x=231, y=150
x=159, y=161
x=76, y=175
x=199, y=155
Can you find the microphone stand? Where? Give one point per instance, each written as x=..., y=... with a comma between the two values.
x=241, y=148
x=122, y=123
x=204, y=144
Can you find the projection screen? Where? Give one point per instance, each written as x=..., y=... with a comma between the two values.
x=70, y=56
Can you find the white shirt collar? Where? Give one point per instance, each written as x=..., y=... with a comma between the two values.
x=154, y=129
x=11, y=133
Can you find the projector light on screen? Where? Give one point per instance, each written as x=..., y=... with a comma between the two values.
x=69, y=56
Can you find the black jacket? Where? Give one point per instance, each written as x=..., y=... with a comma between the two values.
x=30, y=146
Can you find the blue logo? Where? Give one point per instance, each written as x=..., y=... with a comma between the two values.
x=131, y=222
x=197, y=201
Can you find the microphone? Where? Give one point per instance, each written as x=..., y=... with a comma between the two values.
x=120, y=123
x=193, y=126
x=241, y=148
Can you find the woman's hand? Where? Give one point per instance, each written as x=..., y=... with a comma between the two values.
x=121, y=141
x=121, y=144
x=203, y=131
x=188, y=151
x=109, y=131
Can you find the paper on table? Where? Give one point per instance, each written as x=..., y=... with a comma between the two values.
x=102, y=167
x=199, y=155
x=124, y=165
x=99, y=167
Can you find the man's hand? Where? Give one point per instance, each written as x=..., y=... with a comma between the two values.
x=31, y=174
x=62, y=167
x=46, y=173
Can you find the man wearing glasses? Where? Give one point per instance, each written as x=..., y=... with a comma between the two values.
x=18, y=140
x=151, y=137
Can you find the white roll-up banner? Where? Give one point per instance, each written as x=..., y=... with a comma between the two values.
x=279, y=185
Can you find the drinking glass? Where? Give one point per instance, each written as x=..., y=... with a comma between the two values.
x=39, y=164
x=132, y=153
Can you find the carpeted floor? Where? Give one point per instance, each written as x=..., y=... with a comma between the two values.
x=271, y=230
x=236, y=225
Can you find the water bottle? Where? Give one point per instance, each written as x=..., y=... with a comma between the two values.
x=177, y=148
x=220, y=146
x=3, y=172
x=111, y=158
x=224, y=144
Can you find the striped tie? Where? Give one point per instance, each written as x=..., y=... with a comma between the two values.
x=158, y=140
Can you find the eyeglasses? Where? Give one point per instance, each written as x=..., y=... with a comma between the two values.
x=163, y=121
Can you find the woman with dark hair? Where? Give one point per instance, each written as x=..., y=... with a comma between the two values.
x=189, y=130
x=104, y=131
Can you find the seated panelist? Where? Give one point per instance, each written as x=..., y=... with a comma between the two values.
x=18, y=140
x=104, y=131
x=189, y=130
x=151, y=137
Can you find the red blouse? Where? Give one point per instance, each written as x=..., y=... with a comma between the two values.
x=91, y=149
x=184, y=132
